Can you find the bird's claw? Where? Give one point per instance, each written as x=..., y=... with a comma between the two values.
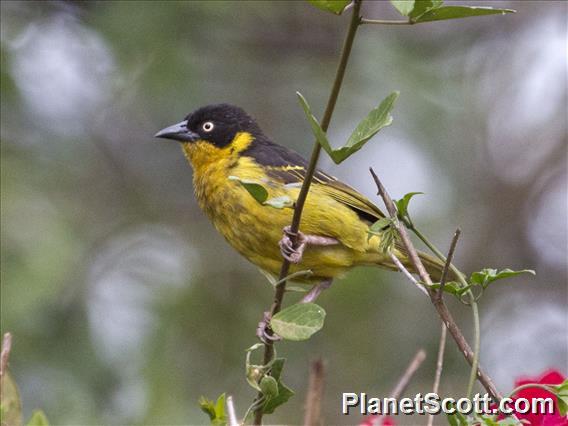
x=289, y=252
x=262, y=330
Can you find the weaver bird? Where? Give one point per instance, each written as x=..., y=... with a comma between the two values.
x=222, y=142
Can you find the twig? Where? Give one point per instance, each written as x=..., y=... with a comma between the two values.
x=404, y=381
x=284, y=270
x=439, y=366
x=5, y=354
x=408, y=275
x=410, y=370
x=231, y=411
x=448, y=263
x=438, y=304
x=315, y=394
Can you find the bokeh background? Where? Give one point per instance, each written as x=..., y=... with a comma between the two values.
x=124, y=302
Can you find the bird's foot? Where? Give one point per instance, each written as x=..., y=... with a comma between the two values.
x=316, y=290
x=262, y=330
x=294, y=254
x=289, y=252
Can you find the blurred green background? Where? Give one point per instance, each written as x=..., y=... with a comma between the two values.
x=124, y=302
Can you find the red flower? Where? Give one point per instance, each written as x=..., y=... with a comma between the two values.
x=372, y=421
x=551, y=377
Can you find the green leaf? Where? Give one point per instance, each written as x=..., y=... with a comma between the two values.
x=10, y=403
x=255, y=189
x=279, y=202
x=451, y=287
x=404, y=7
x=215, y=411
x=457, y=419
x=333, y=6
x=561, y=392
x=402, y=204
x=487, y=276
x=299, y=321
x=284, y=394
x=38, y=419
x=379, y=227
x=422, y=6
x=377, y=119
x=458, y=12
x=269, y=386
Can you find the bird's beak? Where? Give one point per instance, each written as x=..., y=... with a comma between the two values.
x=178, y=132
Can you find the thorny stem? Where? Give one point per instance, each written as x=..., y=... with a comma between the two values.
x=440, y=305
x=340, y=73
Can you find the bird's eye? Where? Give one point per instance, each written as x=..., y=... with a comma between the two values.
x=208, y=126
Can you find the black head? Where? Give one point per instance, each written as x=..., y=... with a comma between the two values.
x=216, y=124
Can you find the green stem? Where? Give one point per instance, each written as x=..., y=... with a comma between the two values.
x=473, y=303
x=284, y=270
x=531, y=385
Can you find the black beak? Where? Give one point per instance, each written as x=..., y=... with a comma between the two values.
x=178, y=132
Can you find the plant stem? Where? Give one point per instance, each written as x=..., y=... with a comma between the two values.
x=315, y=394
x=439, y=304
x=284, y=270
x=439, y=366
x=473, y=303
x=385, y=22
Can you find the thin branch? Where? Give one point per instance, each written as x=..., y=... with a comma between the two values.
x=439, y=366
x=315, y=394
x=284, y=270
x=231, y=412
x=438, y=304
x=5, y=354
x=410, y=370
x=408, y=275
x=448, y=263
x=404, y=381
x=385, y=22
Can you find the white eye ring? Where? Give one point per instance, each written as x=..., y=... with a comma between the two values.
x=208, y=126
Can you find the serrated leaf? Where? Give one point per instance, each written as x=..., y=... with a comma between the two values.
x=458, y=12
x=258, y=192
x=38, y=419
x=404, y=7
x=299, y=321
x=402, y=204
x=279, y=202
x=377, y=119
x=269, y=386
x=333, y=6
x=488, y=275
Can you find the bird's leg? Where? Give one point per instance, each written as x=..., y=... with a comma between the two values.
x=316, y=290
x=261, y=330
x=294, y=255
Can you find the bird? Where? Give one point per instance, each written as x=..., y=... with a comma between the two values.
x=225, y=147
